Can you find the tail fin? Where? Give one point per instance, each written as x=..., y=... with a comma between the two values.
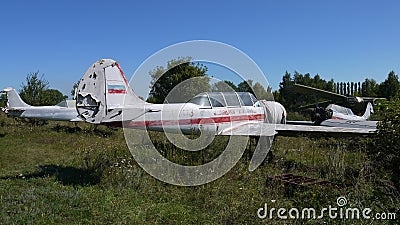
x=368, y=111
x=13, y=99
x=102, y=88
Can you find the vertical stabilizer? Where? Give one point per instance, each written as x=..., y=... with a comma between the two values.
x=368, y=111
x=118, y=92
x=103, y=88
x=13, y=99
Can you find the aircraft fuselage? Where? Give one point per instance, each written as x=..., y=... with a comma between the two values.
x=45, y=113
x=190, y=118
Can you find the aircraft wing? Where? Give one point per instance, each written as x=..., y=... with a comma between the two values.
x=312, y=106
x=299, y=122
x=295, y=130
x=349, y=123
x=371, y=99
x=339, y=123
x=321, y=93
x=13, y=112
x=333, y=97
x=265, y=129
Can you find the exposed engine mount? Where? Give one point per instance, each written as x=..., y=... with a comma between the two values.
x=320, y=114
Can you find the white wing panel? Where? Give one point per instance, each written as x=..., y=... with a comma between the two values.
x=288, y=130
x=350, y=123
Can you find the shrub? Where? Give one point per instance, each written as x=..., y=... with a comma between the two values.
x=385, y=150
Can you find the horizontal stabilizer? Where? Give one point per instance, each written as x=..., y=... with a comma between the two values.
x=77, y=119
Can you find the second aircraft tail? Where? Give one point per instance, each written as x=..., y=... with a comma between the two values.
x=13, y=98
x=368, y=111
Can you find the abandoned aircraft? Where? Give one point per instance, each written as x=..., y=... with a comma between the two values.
x=105, y=97
x=63, y=111
x=335, y=115
x=356, y=102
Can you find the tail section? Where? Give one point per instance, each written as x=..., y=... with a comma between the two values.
x=118, y=91
x=13, y=99
x=368, y=111
x=103, y=88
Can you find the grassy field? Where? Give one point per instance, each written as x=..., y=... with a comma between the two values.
x=60, y=174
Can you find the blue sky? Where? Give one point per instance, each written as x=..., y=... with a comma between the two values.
x=343, y=40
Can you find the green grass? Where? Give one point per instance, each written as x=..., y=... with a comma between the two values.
x=59, y=174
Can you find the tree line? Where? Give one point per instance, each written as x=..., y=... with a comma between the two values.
x=370, y=88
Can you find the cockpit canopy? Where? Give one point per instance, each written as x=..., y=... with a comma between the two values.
x=224, y=99
x=67, y=104
x=340, y=109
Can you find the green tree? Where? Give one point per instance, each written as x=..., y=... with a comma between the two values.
x=245, y=86
x=286, y=96
x=223, y=86
x=369, y=88
x=230, y=83
x=52, y=97
x=261, y=93
x=292, y=100
x=390, y=87
x=32, y=91
x=385, y=150
x=164, y=80
x=36, y=92
x=330, y=86
x=3, y=99
x=276, y=95
x=319, y=83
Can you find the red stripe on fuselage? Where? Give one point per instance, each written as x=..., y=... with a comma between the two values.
x=337, y=118
x=222, y=119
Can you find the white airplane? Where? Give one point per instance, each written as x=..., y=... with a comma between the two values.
x=343, y=113
x=63, y=111
x=339, y=116
x=334, y=115
x=344, y=117
x=105, y=97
